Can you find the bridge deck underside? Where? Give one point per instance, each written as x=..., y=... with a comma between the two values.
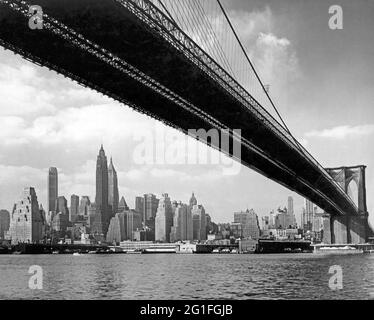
x=119, y=31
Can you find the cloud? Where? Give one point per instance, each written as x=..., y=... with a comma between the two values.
x=110, y=122
x=276, y=59
x=342, y=132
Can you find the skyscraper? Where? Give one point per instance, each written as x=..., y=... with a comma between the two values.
x=182, y=228
x=113, y=196
x=122, y=206
x=308, y=215
x=139, y=205
x=74, y=207
x=52, y=188
x=193, y=200
x=62, y=206
x=290, y=211
x=101, y=199
x=199, y=222
x=164, y=219
x=290, y=205
x=4, y=222
x=26, y=222
x=249, y=223
x=150, y=207
x=83, y=206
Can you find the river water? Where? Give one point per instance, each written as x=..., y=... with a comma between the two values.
x=187, y=276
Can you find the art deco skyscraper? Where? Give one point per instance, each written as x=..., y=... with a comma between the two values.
x=164, y=219
x=101, y=199
x=113, y=196
x=52, y=188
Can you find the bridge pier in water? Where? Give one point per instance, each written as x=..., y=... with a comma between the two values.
x=348, y=228
x=345, y=229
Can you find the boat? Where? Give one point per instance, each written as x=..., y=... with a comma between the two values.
x=161, y=249
x=216, y=251
x=134, y=251
x=226, y=250
x=55, y=252
x=92, y=252
x=234, y=251
x=337, y=250
x=76, y=254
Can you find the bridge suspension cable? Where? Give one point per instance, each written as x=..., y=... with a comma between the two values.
x=257, y=75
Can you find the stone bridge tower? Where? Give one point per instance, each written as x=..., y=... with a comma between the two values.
x=349, y=229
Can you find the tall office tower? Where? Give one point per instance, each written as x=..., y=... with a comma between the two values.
x=4, y=222
x=122, y=206
x=52, y=188
x=174, y=205
x=113, y=196
x=164, y=219
x=150, y=206
x=193, y=200
x=308, y=215
x=74, y=208
x=116, y=230
x=290, y=205
x=249, y=223
x=62, y=206
x=26, y=223
x=182, y=228
x=139, y=205
x=123, y=225
x=199, y=222
x=133, y=222
x=101, y=199
x=290, y=211
x=83, y=206
x=272, y=219
x=42, y=213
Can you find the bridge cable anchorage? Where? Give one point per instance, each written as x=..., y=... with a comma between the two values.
x=257, y=76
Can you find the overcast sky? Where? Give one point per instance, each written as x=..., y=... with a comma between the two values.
x=322, y=80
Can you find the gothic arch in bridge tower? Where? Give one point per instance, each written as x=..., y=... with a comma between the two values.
x=352, y=191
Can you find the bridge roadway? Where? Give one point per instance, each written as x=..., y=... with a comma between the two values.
x=159, y=77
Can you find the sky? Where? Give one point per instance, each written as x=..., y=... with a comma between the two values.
x=321, y=80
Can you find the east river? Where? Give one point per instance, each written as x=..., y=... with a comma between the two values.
x=187, y=276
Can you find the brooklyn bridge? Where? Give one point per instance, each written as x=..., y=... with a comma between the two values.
x=166, y=59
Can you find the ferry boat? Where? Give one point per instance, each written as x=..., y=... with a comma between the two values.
x=331, y=249
x=161, y=249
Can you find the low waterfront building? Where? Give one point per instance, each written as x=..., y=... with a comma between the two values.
x=140, y=245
